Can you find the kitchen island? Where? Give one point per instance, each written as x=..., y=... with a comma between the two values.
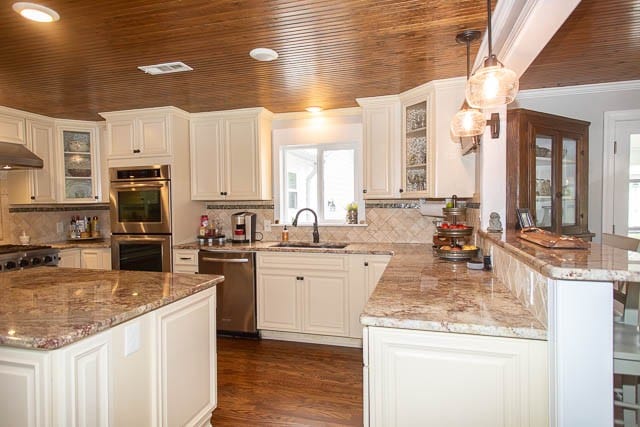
x=92, y=347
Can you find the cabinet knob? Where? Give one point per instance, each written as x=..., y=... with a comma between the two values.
x=364, y=191
x=33, y=197
x=95, y=197
x=401, y=190
x=366, y=264
x=136, y=151
x=299, y=278
x=559, y=194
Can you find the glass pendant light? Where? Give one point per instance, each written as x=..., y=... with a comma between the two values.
x=468, y=121
x=492, y=85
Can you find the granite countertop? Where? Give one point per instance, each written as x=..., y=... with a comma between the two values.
x=70, y=244
x=597, y=263
x=46, y=308
x=351, y=248
x=420, y=291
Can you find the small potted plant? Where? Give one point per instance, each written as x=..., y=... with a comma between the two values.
x=352, y=213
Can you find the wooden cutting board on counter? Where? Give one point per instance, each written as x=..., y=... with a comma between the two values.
x=551, y=240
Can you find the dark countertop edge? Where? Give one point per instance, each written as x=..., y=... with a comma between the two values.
x=562, y=273
x=90, y=329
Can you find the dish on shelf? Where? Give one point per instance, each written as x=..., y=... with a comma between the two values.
x=78, y=189
x=76, y=146
x=542, y=151
x=82, y=173
x=543, y=187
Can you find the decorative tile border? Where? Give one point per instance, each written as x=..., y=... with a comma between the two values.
x=59, y=208
x=237, y=205
x=473, y=205
x=405, y=203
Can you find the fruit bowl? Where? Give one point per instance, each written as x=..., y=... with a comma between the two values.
x=457, y=255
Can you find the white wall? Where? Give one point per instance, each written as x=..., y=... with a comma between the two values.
x=589, y=103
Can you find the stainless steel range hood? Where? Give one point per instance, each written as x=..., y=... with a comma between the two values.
x=17, y=156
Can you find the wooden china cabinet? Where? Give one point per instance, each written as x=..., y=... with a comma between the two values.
x=547, y=169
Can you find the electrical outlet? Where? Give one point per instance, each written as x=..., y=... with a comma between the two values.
x=131, y=338
x=267, y=225
x=60, y=227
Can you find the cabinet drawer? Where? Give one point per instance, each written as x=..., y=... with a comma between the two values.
x=307, y=261
x=185, y=257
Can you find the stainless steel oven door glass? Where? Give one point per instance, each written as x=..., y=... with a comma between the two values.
x=139, y=200
x=141, y=253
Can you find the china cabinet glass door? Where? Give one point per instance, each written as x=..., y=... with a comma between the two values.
x=78, y=165
x=569, y=179
x=544, y=180
x=415, y=170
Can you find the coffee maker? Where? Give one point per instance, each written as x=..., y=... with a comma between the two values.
x=243, y=227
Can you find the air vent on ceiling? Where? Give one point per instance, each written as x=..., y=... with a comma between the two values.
x=169, y=67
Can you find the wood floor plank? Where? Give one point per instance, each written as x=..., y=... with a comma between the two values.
x=278, y=383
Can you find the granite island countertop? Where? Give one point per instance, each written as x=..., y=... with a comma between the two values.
x=45, y=308
x=597, y=263
x=420, y=291
x=72, y=244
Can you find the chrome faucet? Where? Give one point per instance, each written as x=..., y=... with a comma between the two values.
x=316, y=235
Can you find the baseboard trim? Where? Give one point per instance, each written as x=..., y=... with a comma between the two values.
x=311, y=338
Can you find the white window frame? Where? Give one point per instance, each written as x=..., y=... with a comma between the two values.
x=281, y=190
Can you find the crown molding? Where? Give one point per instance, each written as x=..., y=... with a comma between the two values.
x=338, y=112
x=579, y=90
x=25, y=114
x=373, y=101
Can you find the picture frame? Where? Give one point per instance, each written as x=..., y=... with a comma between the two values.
x=525, y=221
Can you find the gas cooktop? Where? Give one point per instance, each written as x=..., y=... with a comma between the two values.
x=13, y=257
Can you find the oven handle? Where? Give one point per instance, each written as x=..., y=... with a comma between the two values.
x=141, y=185
x=232, y=260
x=141, y=239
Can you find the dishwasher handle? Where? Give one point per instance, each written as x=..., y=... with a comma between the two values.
x=226, y=260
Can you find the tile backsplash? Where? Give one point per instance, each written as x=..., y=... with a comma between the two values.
x=384, y=225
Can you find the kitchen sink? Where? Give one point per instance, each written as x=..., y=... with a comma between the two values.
x=310, y=245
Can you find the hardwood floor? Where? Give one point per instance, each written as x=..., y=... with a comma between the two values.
x=278, y=383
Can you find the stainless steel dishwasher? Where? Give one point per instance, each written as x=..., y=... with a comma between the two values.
x=236, y=296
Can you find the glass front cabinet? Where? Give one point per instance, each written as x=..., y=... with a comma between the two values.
x=547, y=166
x=417, y=178
x=79, y=168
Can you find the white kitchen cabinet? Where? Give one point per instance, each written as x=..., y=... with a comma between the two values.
x=231, y=155
x=303, y=292
x=70, y=258
x=36, y=185
x=139, y=133
x=12, y=128
x=157, y=369
x=418, y=378
x=78, y=161
x=96, y=258
x=381, y=146
x=185, y=261
x=364, y=273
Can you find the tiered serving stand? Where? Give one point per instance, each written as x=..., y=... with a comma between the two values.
x=455, y=237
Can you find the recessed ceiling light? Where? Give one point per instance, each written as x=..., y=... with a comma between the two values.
x=169, y=67
x=263, y=54
x=314, y=109
x=36, y=12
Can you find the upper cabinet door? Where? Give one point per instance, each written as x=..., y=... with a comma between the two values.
x=43, y=180
x=152, y=136
x=381, y=142
x=79, y=165
x=241, y=168
x=121, y=138
x=12, y=129
x=206, y=157
x=416, y=151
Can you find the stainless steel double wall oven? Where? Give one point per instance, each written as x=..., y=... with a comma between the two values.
x=140, y=205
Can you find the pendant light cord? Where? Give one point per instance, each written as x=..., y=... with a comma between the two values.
x=468, y=41
x=489, y=26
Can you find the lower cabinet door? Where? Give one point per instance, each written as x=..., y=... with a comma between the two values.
x=325, y=307
x=419, y=378
x=278, y=301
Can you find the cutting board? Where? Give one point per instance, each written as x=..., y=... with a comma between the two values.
x=550, y=240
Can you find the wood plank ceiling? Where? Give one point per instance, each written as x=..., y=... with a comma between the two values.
x=599, y=42
x=331, y=52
